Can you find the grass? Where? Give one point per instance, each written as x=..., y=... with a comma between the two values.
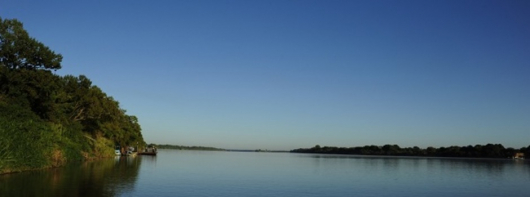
x=27, y=142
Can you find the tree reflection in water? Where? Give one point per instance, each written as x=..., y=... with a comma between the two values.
x=106, y=177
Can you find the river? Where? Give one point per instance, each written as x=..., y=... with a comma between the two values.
x=229, y=174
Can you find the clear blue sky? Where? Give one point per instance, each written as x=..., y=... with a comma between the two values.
x=289, y=74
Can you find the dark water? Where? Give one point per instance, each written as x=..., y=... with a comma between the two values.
x=202, y=173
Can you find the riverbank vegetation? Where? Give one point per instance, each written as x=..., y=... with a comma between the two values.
x=179, y=147
x=477, y=151
x=47, y=120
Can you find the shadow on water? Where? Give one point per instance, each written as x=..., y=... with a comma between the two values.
x=106, y=177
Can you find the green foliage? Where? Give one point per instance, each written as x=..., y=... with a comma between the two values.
x=25, y=139
x=47, y=120
x=19, y=50
x=69, y=141
x=34, y=89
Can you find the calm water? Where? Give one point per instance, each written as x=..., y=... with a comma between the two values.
x=229, y=174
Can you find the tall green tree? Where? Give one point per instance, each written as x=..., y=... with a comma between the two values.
x=19, y=50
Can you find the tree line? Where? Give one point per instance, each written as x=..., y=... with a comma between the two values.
x=477, y=151
x=47, y=119
x=179, y=147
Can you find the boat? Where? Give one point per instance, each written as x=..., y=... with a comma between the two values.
x=518, y=156
x=150, y=150
x=130, y=151
x=117, y=151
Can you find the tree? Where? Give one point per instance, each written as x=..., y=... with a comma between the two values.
x=64, y=118
x=391, y=149
x=18, y=50
x=316, y=148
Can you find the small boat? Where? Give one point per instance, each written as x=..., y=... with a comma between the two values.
x=130, y=151
x=150, y=150
x=518, y=156
x=117, y=151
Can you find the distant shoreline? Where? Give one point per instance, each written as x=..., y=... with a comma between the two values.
x=477, y=151
x=180, y=147
x=206, y=148
x=493, y=151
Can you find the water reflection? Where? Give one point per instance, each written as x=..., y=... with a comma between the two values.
x=149, y=160
x=224, y=174
x=108, y=177
x=486, y=168
x=456, y=167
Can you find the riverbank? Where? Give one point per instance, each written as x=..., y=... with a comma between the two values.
x=180, y=147
x=30, y=143
x=477, y=151
x=55, y=163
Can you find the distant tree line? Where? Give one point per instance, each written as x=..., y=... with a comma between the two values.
x=47, y=119
x=168, y=146
x=478, y=151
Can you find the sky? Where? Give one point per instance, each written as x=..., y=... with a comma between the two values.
x=286, y=74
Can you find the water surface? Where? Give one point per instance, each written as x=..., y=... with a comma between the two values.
x=224, y=174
